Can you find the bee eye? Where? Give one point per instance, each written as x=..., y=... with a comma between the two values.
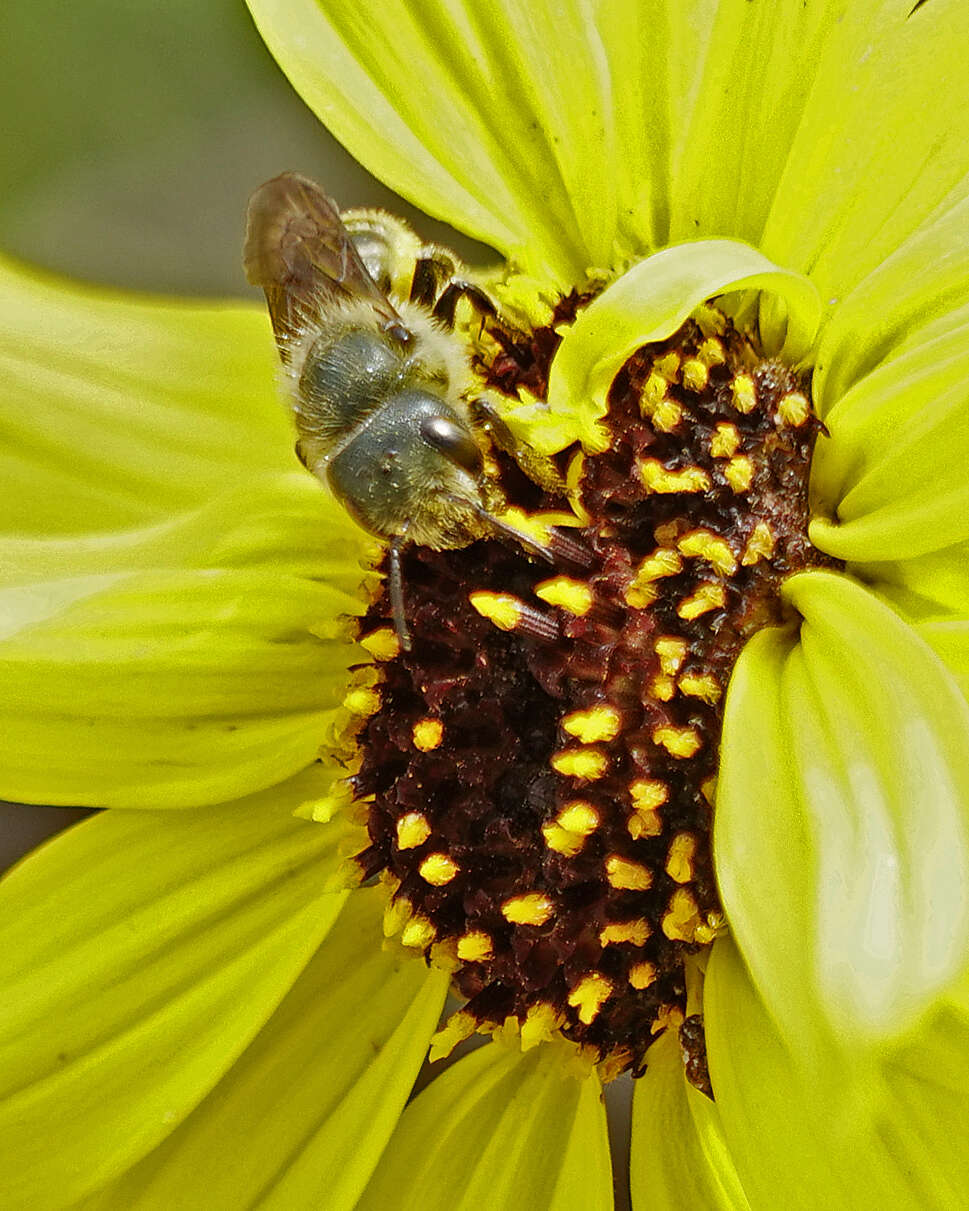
x=452, y=440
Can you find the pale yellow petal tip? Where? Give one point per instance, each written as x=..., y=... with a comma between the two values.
x=456, y=1029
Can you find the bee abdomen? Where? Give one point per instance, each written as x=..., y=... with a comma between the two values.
x=345, y=378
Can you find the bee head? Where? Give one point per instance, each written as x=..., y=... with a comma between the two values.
x=414, y=470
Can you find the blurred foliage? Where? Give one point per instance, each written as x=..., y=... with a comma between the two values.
x=134, y=132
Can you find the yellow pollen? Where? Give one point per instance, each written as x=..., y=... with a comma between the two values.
x=656, y=478
x=711, y=352
x=648, y=794
x=662, y=562
x=428, y=734
x=700, y=685
x=573, y=480
x=438, y=869
x=362, y=702
x=760, y=545
x=641, y=975
x=678, y=741
x=625, y=875
x=702, y=544
x=578, y=817
x=725, y=440
x=743, y=393
x=668, y=365
x=695, y=374
x=573, y=596
x=708, y=596
x=662, y=687
x=418, y=933
x=382, y=644
x=668, y=1017
x=679, y=860
x=794, y=409
x=714, y=925
x=502, y=609
x=588, y=997
x=562, y=841
x=588, y=763
x=671, y=653
x=666, y=416
x=566, y=834
x=530, y=909
x=456, y=1029
x=739, y=473
x=654, y=390
x=540, y=1024
x=636, y=932
x=682, y=918
x=412, y=830
x=475, y=946
x=598, y=723
x=640, y=596
x=644, y=824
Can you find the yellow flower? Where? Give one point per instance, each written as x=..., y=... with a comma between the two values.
x=195, y=1012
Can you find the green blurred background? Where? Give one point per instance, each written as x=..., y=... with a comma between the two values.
x=133, y=132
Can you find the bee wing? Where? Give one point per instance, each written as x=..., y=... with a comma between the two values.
x=298, y=250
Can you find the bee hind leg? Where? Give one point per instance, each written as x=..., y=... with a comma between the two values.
x=395, y=584
x=457, y=289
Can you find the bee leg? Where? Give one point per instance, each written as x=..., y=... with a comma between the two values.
x=538, y=467
x=430, y=272
x=396, y=585
x=456, y=289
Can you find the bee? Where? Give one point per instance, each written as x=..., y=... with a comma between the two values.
x=381, y=390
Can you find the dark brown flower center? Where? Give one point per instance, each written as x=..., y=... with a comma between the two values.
x=541, y=767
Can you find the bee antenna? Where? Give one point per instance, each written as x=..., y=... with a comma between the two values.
x=396, y=585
